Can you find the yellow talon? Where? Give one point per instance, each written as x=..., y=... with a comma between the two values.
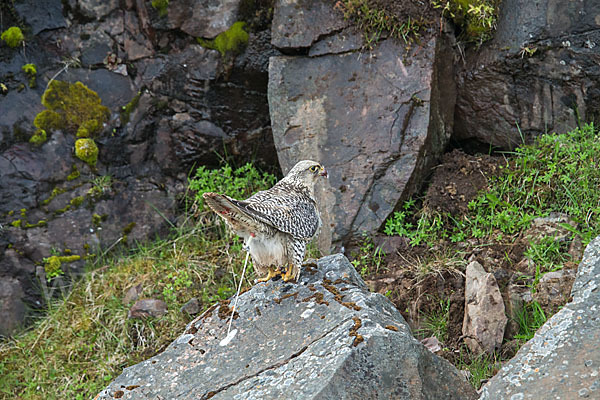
x=289, y=274
x=270, y=275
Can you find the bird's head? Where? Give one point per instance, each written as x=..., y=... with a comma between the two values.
x=306, y=173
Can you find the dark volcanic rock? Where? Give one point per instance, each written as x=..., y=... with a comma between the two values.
x=298, y=341
x=376, y=139
x=563, y=358
x=147, y=308
x=12, y=305
x=502, y=85
x=203, y=18
x=297, y=25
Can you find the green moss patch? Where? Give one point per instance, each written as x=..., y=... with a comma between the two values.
x=31, y=72
x=231, y=42
x=71, y=107
x=86, y=150
x=475, y=18
x=53, y=265
x=13, y=36
x=38, y=138
x=127, y=109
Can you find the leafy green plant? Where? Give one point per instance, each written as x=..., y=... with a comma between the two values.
x=476, y=18
x=368, y=259
x=175, y=282
x=547, y=254
x=238, y=183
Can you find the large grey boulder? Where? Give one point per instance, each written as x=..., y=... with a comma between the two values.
x=377, y=121
x=326, y=337
x=541, y=71
x=562, y=361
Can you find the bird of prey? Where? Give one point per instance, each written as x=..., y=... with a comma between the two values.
x=276, y=224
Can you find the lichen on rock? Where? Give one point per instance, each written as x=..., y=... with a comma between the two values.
x=86, y=150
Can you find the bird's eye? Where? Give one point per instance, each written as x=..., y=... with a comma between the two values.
x=314, y=168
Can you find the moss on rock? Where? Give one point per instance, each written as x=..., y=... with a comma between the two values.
x=13, y=36
x=38, y=138
x=127, y=109
x=53, y=265
x=160, y=6
x=86, y=150
x=31, y=72
x=232, y=41
x=71, y=106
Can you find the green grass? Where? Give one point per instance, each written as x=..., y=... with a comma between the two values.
x=558, y=173
x=480, y=368
x=374, y=22
x=85, y=340
x=435, y=323
x=530, y=318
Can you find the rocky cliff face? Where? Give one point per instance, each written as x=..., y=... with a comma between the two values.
x=326, y=337
x=173, y=104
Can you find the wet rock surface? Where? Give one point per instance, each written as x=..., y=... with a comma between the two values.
x=563, y=358
x=378, y=140
x=540, y=71
x=323, y=338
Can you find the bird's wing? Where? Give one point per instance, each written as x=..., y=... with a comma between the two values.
x=285, y=210
x=228, y=209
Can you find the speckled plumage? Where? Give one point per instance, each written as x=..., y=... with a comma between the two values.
x=276, y=224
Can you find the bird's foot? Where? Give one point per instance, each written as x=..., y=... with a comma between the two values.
x=270, y=275
x=289, y=274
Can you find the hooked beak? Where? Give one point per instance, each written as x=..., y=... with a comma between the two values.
x=323, y=172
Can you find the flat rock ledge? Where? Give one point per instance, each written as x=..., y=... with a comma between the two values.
x=562, y=361
x=326, y=337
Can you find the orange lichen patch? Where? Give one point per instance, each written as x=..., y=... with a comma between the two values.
x=131, y=387
x=392, y=328
x=278, y=301
x=318, y=296
x=354, y=331
x=224, y=310
x=351, y=305
x=118, y=394
x=310, y=268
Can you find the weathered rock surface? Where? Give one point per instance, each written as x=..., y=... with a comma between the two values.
x=376, y=139
x=563, y=358
x=502, y=85
x=324, y=338
x=485, y=319
x=147, y=308
x=203, y=18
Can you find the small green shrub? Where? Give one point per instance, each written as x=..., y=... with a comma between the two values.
x=13, y=36
x=238, y=183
